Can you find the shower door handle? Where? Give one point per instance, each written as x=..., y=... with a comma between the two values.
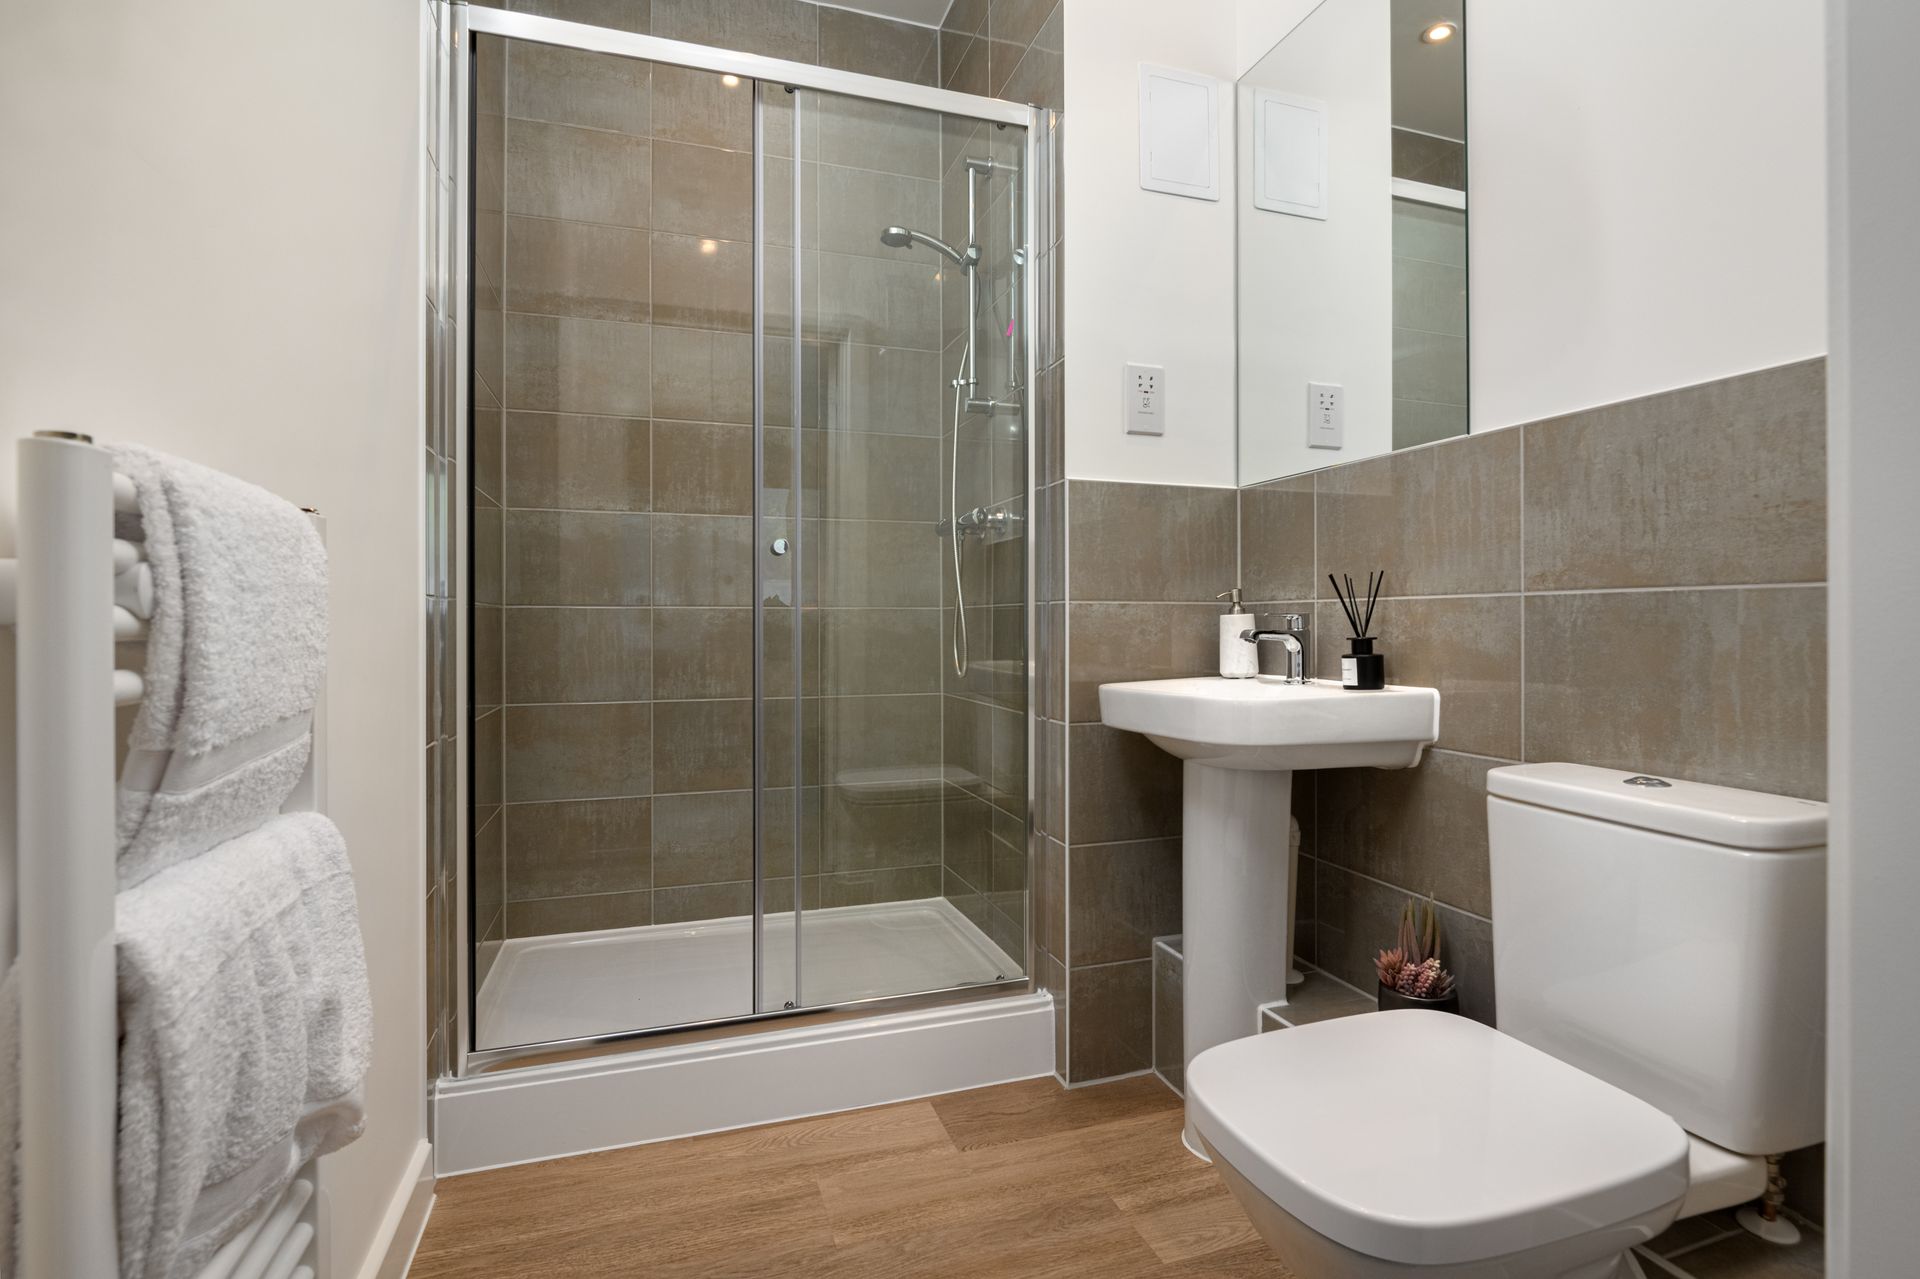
x=780, y=546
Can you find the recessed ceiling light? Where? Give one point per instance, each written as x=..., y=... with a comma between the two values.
x=733, y=81
x=1438, y=33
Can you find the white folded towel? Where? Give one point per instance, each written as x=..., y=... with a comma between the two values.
x=246, y=1031
x=236, y=649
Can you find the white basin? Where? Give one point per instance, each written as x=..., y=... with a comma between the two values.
x=1255, y=724
x=1242, y=739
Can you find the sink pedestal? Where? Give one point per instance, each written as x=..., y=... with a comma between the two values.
x=1237, y=879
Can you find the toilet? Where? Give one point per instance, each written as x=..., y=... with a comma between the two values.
x=1659, y=958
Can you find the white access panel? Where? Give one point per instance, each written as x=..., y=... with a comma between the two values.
x=1179, y=132
x=1289, y=154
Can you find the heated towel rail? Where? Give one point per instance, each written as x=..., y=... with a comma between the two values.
x=72, y=593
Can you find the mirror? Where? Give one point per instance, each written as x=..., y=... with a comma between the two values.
x=1352, y=237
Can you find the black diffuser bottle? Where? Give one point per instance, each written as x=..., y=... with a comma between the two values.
x=1360, y=666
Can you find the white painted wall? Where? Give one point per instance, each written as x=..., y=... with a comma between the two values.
x=1315, y=297
x=1647, y=197
x=1149, y=276
x=1873, y=469
x=210, y=242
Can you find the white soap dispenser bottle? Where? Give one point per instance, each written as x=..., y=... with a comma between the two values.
x=1238, y=659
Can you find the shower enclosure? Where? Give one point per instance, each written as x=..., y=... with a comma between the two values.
x=747, y=516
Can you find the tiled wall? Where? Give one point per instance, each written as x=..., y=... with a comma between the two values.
x=619, y=495
x=1638, y=586
x=1429, y=323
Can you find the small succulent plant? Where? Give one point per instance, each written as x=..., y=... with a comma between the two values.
x=1413, y=967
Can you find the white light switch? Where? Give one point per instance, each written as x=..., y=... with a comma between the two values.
x=1326, y=417
x=1143, y=392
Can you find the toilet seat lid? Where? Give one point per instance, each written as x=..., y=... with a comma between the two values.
x=1424, y=1138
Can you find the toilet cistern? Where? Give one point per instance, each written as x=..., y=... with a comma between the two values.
x=1240, y=741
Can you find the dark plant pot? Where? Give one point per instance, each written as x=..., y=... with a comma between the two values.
x=1391, y=999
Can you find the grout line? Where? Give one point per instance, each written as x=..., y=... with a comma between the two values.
x=1661, y=1263
x=1698, y=1244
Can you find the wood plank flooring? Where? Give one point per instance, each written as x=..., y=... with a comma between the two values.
x=1025, y=1179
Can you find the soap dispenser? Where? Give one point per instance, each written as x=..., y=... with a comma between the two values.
x=1238, y=659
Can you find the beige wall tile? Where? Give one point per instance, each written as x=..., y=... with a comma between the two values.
x=578, y=846
x=488, y=637
x=1039, y=75
x=1111, y=1029
x=621, y=15
x=578, y=655
x=703, y=560
x=880, y=650
x=776, y=28
x=892, y=884
x=1718, y=484
x=1424, y=827
x=1276, y=540
x=1722, y=686
x=865, y=733
x=578, y=269
x=1150, y=541
x=703, y=191
x=489, y=752
x=873, y=564
x=703, y=376
x=551, y=915
x=577, y=463
x=875, y=477
x=1468, y=647
x=703, y=838
x=877, y=46
x=702, y=653
x=1124, y=787
x=1124, y=896
x=703, y=283
x=569, y=365
x=576, y=557
x=861, y=834
x=585, y=175
x=879, y=301
x=703, y=468
x=593, y=751
x=699, y=107
x=1442, y=521
x=694, y=902
x=704, y=746
x=574, y=86
x=883, y=136
x=1116, y=642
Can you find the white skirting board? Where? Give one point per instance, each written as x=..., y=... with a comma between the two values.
x=544, y=1112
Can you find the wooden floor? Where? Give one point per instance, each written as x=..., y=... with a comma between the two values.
x=1021, y=1180
x=1024, y=1179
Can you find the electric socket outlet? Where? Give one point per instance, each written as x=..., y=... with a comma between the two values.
x=1143, y=394
x=1326, y=416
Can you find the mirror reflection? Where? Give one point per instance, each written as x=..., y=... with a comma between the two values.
x=1352, y=227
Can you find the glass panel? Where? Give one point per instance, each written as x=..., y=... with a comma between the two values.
x=913, y=678
x=613, y=516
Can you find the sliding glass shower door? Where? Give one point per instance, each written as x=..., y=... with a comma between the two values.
x=749, y=700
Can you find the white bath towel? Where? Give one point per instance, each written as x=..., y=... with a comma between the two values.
x=246, y=1031
x=235, y=652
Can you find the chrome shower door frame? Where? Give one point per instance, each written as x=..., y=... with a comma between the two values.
x=474, y=20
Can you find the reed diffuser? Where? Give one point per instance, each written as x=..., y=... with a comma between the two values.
x=1361, y=667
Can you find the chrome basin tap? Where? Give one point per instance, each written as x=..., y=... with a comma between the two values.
x=1294, y=641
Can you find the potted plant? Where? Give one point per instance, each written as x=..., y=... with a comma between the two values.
x=1410, y=973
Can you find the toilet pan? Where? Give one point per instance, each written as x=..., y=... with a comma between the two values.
x=1416, y=1143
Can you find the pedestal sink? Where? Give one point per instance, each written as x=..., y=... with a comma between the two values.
x=1242, y=740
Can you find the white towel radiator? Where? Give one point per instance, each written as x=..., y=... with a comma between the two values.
x=72, y=593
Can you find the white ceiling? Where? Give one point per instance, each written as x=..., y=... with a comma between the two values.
x=927, y=13
x=1429, y=80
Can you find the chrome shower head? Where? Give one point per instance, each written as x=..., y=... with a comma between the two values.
x=899, y=237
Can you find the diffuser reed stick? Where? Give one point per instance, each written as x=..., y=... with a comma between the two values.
x=1361, y=668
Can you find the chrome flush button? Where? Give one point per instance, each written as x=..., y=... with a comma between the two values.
x=1644, y=780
